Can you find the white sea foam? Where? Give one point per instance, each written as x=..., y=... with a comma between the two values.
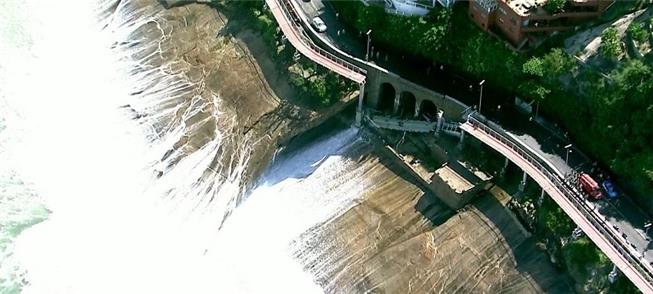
x=114, y=227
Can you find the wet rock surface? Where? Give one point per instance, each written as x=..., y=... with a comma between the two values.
x=216, y=90
x=397, y=239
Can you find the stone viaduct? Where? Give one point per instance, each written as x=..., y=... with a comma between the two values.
x=392, y=94
x=385, y=91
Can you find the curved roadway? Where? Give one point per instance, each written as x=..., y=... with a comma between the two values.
x=570, y=200
x=287, y=20
x=543, y=172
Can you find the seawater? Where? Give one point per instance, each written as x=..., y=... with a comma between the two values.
x=82, y=210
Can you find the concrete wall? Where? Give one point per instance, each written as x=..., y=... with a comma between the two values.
x=458, y=199
x=452, y=108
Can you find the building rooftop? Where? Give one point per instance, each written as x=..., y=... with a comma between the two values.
x=526, y=7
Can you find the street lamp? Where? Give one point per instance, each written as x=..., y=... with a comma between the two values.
x=480, y=98
x=367, y=53
x=568, y=148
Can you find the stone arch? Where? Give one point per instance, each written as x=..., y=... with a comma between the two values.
x=407, y=103
x=428, y=110
x=386, y=98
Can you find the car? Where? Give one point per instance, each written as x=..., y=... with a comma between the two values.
x=609, y=188
x=319, y=25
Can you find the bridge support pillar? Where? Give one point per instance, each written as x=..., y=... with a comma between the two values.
x=462, y=139
x=417, y=104
x=438, y=126
x=541, y=199
x=522, y=184
x=395, y=107
x=612, y=276
x=504, y=168
x=359, y=109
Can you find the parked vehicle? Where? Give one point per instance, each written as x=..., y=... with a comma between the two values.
x=589, y=186
x=609, y=188
x=319, y=25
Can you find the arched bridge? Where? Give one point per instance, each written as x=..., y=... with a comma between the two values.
x=408, y=102
x=374, y=80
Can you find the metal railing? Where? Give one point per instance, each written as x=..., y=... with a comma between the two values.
x=291, y=14
x=451, y=127
x=572, y=194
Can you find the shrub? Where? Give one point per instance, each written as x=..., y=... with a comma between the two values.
x=610, y=43
x=638, y=32
x=555, y=6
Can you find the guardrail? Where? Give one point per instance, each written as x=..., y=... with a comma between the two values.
x=292, y=15
x=575, y=197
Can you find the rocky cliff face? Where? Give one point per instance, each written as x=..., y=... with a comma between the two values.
x=202, y=90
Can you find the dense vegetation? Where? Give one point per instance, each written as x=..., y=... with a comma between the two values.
x=599, y=110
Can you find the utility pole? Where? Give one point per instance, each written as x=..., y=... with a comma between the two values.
x=480, y=96
x=568, y=148
x=367, y=53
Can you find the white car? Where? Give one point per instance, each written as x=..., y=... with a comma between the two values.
x=319, y=25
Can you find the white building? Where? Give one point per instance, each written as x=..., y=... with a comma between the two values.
x=414, y=7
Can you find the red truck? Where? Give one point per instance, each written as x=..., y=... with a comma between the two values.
x=589, y=186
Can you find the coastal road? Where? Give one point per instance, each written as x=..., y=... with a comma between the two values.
x=565, y=199
x=623, y=214
x=314, y=8
x=336, y=33
x=310, y=50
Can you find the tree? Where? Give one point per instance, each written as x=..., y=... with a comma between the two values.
x=611, y=43
x=536, y=91
x=555, y=6
x=554, y=220
x=557, y=63
x=534, y=67
x=534, y=88
x=638, y=32
x=437, y=22
x=625, y=109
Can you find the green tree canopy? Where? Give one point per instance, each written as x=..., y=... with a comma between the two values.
x=557, y=62
x=610, y=42
x=534, y=67
x=555, y=6
x=638, y=32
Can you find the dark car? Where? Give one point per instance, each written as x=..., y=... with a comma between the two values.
x=609, y=188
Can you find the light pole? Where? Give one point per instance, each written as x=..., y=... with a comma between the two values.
x=568, y=148
x=480, y=96
x=367, y=53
